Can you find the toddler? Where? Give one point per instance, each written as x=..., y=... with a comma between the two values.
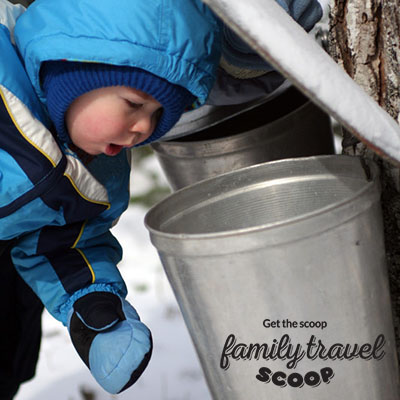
x=106, y=76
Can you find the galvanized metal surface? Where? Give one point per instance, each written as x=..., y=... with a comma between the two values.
x=296, y=240
x=278, y=38
x=304, y=130
x=206, y=117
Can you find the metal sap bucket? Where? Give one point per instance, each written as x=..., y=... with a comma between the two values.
x=287, y=126
x=279, y=270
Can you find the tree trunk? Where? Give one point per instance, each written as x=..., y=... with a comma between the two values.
x=364, y=40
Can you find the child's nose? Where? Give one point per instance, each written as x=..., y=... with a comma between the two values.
x=143, y=125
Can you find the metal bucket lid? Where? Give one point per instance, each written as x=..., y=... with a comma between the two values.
x=264, y=205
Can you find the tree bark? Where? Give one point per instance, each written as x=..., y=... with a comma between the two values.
x=364, y=39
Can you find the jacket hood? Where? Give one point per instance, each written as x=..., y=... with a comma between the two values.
x=178, y=40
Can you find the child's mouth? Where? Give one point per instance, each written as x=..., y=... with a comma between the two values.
x=113, y=149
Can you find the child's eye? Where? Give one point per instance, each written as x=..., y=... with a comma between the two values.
x=133, y=104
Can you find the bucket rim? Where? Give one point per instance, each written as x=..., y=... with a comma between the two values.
x=214, y=147
x=210, y=115
x=372, y=185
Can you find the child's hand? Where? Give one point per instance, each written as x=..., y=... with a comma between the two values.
x=306, y=12
x=109, y=337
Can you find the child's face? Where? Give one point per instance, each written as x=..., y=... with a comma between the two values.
x=108, y=119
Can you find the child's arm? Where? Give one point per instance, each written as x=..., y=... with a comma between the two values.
x=239, y=54
x=244, y=75
x=73, y=270
x=61, y=265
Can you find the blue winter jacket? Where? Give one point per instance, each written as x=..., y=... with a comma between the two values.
x=58, y=210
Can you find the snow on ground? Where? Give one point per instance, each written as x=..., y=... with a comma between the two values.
x=174, y=372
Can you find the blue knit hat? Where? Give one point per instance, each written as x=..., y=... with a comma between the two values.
x=64, y=81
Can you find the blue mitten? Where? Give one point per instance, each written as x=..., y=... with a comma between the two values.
x=107, y=334
x=239, y=54
x=305, y=12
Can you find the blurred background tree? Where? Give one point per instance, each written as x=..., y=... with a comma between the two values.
x=148, y=184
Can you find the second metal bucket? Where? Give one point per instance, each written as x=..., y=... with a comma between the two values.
x=279, y=270
x=287, y=126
